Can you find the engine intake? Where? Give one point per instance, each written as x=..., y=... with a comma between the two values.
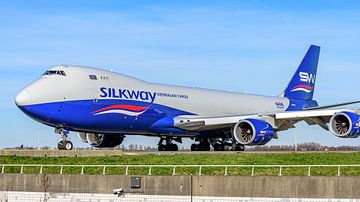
x=345, y=125
x=104, y=140
x=253, y=132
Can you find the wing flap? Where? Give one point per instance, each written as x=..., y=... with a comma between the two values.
x=201, y=123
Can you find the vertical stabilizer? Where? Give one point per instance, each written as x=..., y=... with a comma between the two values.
x=302, y=84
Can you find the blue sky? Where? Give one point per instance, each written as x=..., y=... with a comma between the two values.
x=245, y=46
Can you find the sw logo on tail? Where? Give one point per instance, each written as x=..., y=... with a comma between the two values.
x=306, y=77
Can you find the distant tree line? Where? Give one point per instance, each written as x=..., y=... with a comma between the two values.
x=310, y=146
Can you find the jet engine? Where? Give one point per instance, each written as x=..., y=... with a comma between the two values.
x=82, y=137
x=345, y=125
x=253, y=132
x=104, y=140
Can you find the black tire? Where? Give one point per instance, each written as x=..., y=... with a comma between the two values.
x=218, y=147
x=241, y=148
x=233, y=147
x=237, y=147
x=194, y=147
x=174, y=147
x=161, y=147
x=227, y=147
x=204, y=147
x=61, y=145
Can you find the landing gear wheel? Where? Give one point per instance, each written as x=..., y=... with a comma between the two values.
x=168, y=147
x=204, y=146
x=237, y=147
x=218, y=147
x=61, y=145
x=165, y=144
x=173, y=147
x=200, y=147
x=65, y=145
x=194, y=147
x=161, y=147
x=69, y=145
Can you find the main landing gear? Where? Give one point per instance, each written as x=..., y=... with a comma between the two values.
x=64, y=143
x=168, y=146
x=203, y=145
x=228, y=147
x=223, y=144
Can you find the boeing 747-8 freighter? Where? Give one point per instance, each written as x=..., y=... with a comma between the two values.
x=104, y=107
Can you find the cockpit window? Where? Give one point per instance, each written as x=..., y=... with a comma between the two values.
x=52, y=72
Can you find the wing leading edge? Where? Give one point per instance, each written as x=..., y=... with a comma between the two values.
x=280, y=121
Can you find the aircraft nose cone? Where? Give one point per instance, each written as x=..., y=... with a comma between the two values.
x=23, y=98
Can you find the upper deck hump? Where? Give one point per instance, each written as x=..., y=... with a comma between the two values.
x=94, y=71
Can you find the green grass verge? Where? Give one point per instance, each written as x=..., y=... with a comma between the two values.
x=195, y=159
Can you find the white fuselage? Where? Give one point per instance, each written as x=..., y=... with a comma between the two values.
x=106, y=91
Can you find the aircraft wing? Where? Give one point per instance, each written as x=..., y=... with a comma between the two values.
x=333, y=105
x=279, y=120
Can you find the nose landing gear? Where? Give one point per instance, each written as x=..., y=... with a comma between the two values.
x=64, y=143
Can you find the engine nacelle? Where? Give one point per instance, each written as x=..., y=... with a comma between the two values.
x=253, y=132
x=345, y=125
x=82, y=137
x=104, y=140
